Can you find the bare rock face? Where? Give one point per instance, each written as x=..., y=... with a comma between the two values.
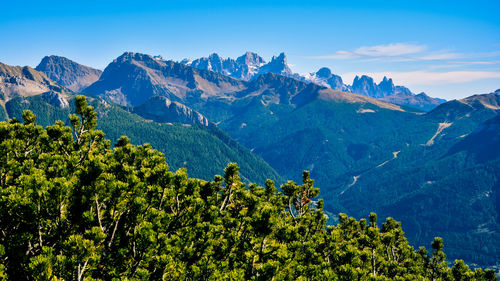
x=216, y=64
x=246, y=67
x=133, y=78
x=249, y=64
x=365, y=85
x=277, y=65
x=387, y=91
x=25, y=81
x=161, y=109
x=55, y=99
x=68, y=73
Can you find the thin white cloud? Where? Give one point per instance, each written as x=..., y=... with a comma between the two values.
x=379, y=51
x=476, y=62
x=390, y=50
x=439, y=56
x=421, y=77
x=400, y=52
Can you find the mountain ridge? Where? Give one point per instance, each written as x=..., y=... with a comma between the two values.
x=366, y=153
x=25, y=81
x=363, y=85
x=133, y=78
x=68, y=73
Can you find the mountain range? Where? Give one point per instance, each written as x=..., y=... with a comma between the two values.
x=187, y=139
x=250, y=65
x=68, y=73
x=436, y=171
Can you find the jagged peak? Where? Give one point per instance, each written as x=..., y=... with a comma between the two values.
x=186, y=61
x=366, y=77
x=250, y=58
x=60, y=60
x=55, y=58
x=159, y=57
x=249, y=54
x=280, y=58
x=126, y=56
x=214, y=56
x=387, y=81
x=363, y=78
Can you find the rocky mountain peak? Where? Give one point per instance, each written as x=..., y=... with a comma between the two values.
x=246, y=67
x=214, y=56
x=186, y=61
x=364, y=85
x=162, y=109
x=250, y=58
x=127, y=57
x=386, y=86
x=277, y=65
x=25, y=81
x=324, y=72
x=281, y=58
x=55, y=99
x=68, y=73
x=214, y=63
x=52, y=59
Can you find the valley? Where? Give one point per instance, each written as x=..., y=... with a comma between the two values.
x=364, y=152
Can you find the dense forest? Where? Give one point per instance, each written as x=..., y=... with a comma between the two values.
x=74, y=207
x=184, y=146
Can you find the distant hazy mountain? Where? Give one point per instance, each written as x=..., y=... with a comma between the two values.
x=420, y=101
x=245, y=67
x=277, y=65
x=68, y=73
x=216, y=64
x=251, y=65
x=386, y=90
x=365, y=85
x=326, y=78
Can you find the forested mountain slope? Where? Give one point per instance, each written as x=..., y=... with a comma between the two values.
x=203, y=151
x=84, y=210
x=365, y=153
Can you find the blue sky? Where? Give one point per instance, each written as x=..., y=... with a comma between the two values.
x=449, y=49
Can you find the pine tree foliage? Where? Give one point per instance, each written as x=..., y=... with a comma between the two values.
x=73, y=208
